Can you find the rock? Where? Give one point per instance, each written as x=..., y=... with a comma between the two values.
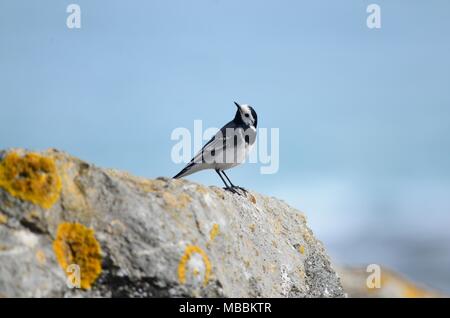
x=70, y=229
x=391, y=284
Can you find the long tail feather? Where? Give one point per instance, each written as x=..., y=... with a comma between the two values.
x=183, y=172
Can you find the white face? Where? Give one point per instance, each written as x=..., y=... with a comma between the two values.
x=246, y=115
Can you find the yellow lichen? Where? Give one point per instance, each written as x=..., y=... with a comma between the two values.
x=214, y=232
x=301, y=249
x=3, y=218
x=31, y=177
x=76, y=244
x=176, y=202
x=252, y=198
x=189, y=251
x=144, y=184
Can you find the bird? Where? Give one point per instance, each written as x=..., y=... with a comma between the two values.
x=228, y=148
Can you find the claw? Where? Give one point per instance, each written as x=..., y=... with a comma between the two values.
x=242, y=189
x=232, y=190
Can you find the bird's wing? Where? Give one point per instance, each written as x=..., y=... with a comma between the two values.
x=213, y=149
x=215, y=146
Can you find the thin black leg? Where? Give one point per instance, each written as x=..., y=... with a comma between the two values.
x=227, y=187
x=228, y=179
x=232, y=185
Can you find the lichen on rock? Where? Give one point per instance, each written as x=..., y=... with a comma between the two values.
x=189, y=252
x=76, y=244
x=215, y=230
x=31, y=177
x=159, y=238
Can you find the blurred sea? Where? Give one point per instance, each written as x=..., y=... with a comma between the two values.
x=425, y=260
x=408, y=233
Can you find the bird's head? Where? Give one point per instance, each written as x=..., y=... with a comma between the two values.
x=246, y=115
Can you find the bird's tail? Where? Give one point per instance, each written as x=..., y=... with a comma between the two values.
x=183, y=172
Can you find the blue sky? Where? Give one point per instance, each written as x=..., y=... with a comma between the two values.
x=364, y=115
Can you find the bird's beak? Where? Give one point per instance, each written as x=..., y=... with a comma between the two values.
x=237, y=105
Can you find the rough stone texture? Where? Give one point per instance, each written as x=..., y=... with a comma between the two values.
x=241, y=246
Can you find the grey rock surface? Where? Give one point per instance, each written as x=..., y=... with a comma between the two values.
x=160, y=237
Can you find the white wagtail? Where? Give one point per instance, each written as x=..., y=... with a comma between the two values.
x=228, y=148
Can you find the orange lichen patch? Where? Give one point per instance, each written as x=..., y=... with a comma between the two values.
x=214, y=232
x=189, y=251
x=76, y=244
x=180, y=201
x=3, y=218
x=31, y=177
x=40, y=257
x=146, y=185
x=252, y=198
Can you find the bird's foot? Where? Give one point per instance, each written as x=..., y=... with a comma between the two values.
x=240, y=188
x=232, y=190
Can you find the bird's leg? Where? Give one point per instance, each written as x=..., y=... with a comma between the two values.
x=227, y=187
x=232, y=185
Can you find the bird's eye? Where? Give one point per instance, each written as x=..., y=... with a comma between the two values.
x=247, y=115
